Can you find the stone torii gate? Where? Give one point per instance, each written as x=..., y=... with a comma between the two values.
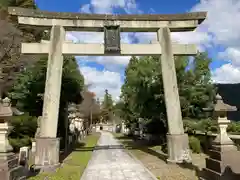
x=47, y=144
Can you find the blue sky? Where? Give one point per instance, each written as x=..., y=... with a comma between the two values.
x=218, y=35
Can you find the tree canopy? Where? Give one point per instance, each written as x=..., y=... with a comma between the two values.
x=142, y=94
x=11, y=36
x=22, y=77
x=28, y=90
x=29, y=87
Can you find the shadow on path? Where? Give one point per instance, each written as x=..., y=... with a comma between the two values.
x=133, y=143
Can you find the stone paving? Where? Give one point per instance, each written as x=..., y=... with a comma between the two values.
x=110, y=162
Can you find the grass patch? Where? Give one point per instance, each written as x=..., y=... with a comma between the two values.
x=74, y=165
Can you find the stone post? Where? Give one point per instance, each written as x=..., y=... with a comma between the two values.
x=141, y=127
x=1, y=82
x=47, y=145
x=72, y=109
x=9, y=168
x=224, y=158
x=178, y=148
x=78, y=126
x=71, y=118
x=37, y=134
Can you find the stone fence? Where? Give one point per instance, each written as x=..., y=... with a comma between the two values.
x=207, y=139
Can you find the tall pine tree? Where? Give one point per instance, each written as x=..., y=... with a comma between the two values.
x=107, y=106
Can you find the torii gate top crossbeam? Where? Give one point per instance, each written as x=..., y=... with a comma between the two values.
x=96, y=22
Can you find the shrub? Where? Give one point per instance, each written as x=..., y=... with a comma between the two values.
x=24, y=128
x=189, y=126
x=207, y=125
x=194, y=144
x=234, y=127
x=155, y=126
x=19, y=142
x=204, y=125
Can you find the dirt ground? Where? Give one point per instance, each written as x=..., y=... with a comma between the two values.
x=164, y=171
x=155, y=160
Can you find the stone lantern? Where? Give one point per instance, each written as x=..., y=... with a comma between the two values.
x=141, y=126
x=71, y=117
x=221, y=110
x=8, y=160
x=72, y=131
x=78, y=126
x=5, y=116
x=71, y=121
x=72, y=111
x=72, y=128
x=223, y=154
x=72, y=107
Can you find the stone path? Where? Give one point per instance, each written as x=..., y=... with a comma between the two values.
x=110, y=162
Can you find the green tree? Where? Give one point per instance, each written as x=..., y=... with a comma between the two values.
x=143, y=95
x=18, y=3
x=29, y=87
x=142, y=92
x=107, y=102
x=11, y=36
x=118, y=109
x=27, y=92
x=195, y=87
x=107, y=106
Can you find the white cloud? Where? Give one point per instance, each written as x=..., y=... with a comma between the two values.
x=218, y=28
x=201, y=39
x=86, y=8
x=109, y=61
x=227, y=73
x=231, y=54
x=86, y=37
x=222, y=26
x=108, y=6
x=108, y=79
x=101, y=80
x=220, y=20
x=145, y=37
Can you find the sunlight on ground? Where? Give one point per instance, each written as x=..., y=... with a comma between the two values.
x=153, y=159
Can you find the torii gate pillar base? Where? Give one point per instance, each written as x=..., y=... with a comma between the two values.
x=47, y=154
x=178, y=148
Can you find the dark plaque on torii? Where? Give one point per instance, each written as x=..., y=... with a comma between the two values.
x=112, y=39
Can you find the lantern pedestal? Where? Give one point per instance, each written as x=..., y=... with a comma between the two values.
x=8, y=160
x=223, y=162
x=4, y=143
x=9, y=168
